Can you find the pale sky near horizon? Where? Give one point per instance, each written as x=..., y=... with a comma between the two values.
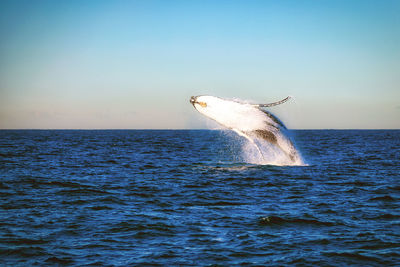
x=135, y=64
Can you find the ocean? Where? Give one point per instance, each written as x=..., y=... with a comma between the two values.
x=189, y=198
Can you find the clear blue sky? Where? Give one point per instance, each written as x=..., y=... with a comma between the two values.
x=134, y=64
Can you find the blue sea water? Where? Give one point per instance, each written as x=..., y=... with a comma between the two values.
x=185, y=197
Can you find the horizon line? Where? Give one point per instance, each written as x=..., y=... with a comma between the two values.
x=173, y=129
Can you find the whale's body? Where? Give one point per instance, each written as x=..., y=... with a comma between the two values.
x=248, y=120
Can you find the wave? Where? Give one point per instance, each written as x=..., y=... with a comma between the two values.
x=383, y=198
x=276, y=220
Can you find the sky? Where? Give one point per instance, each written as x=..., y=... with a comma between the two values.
x=135, y=64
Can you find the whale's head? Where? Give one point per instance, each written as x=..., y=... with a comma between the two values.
x=202, y=102
x=229, y=113
x=233, y=114
x=208, y=105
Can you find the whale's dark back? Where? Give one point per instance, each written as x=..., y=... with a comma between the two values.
x=266, y=135
x=274, y=118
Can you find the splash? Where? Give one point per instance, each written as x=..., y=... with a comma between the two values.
x=267, y=139
x=260, y=152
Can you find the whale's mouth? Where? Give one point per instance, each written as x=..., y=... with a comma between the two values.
x=193, y=100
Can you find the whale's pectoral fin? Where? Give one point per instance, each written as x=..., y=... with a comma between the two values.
x=273, y=104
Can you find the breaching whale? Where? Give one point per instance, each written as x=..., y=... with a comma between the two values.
x=250, y=121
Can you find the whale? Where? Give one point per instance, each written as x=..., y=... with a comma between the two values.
x=250, y=121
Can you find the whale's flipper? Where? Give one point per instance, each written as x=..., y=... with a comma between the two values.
x=272, y=104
